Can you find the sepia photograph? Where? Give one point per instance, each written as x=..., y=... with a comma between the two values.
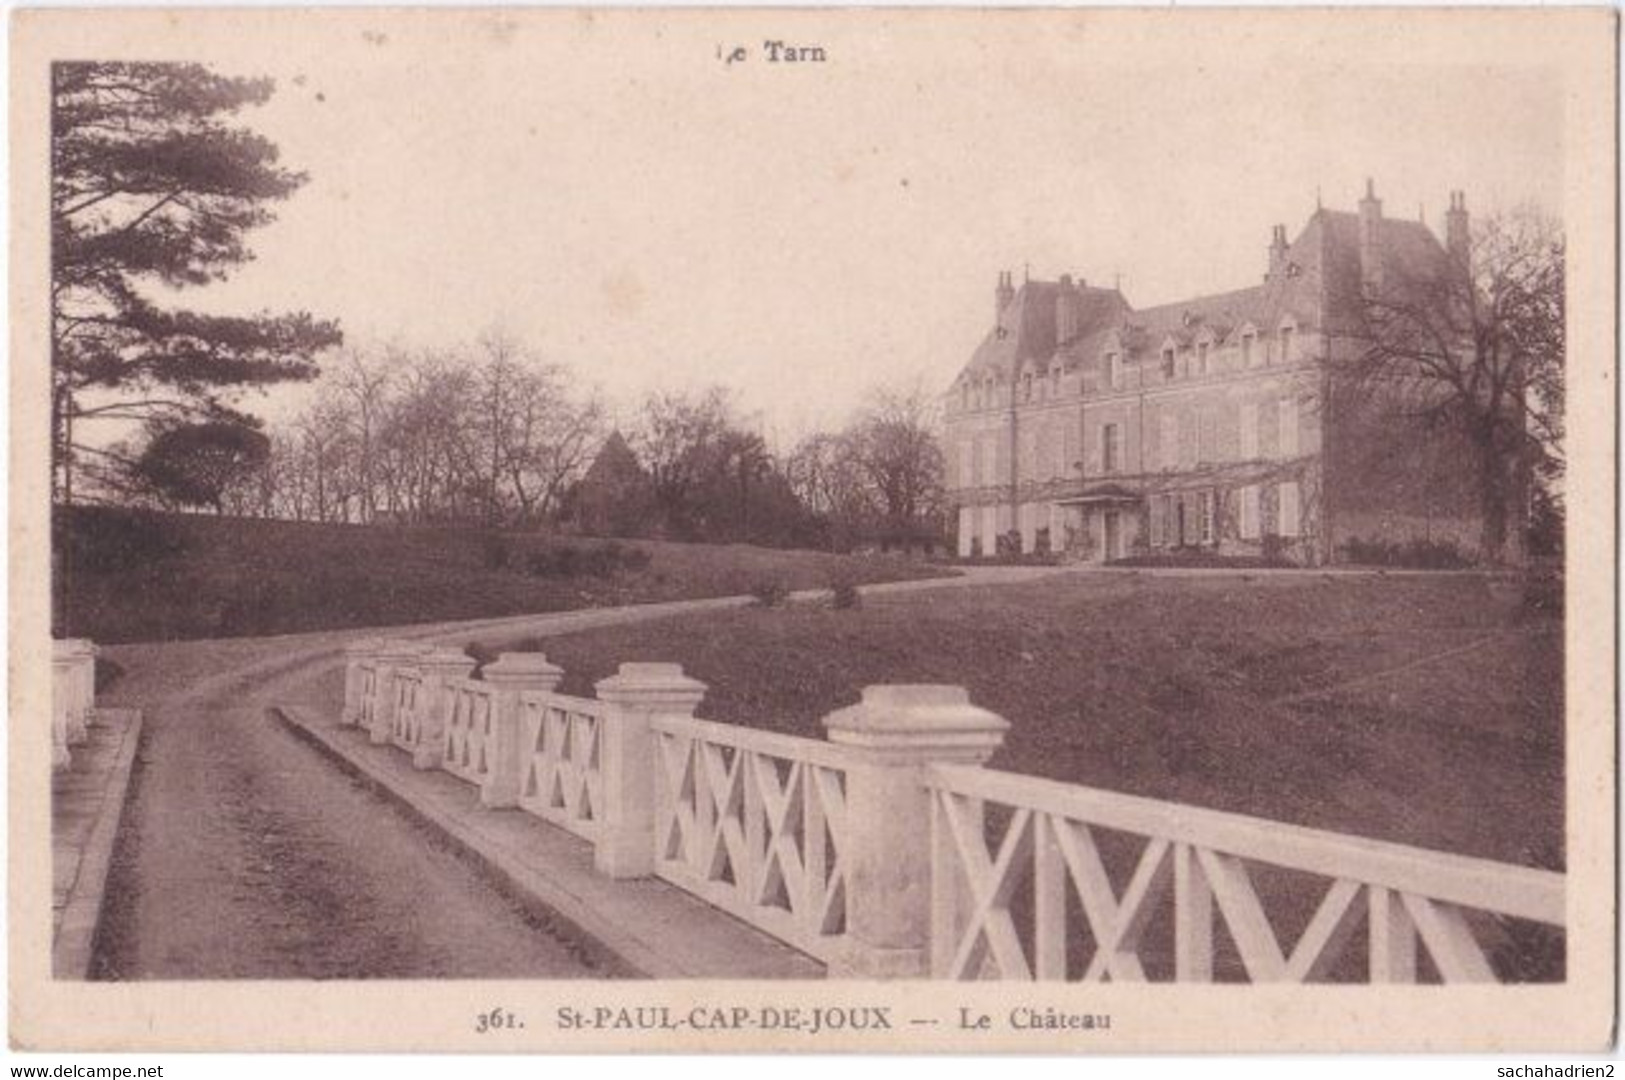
x=869, y=530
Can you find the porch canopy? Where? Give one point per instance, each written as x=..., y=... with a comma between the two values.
x=1104, y=495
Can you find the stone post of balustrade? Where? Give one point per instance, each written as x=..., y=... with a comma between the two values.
x=355, y=654
x=390, y=658
x=511, y=675
x=892, y=735
x=84, y=688
x=62, y=666
x=439, y=668
x=77, y=685
x=638, y=694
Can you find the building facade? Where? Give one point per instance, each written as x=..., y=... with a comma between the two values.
x=1084, y=426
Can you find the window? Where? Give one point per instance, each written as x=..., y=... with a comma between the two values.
x=1027, y=386
x=1249, y=512
x=1204, y=511
x=1168, y=440
x=1289, y=427
x=1110, y=449
x=1248, y=352
x=1205, y=449
x=1286, y=344
x=967, y=463
x=1114, y=370
x=1249, y=430
x=1286, y=500
x=1055, y=381
x=1167, y=361
x=1201, y=358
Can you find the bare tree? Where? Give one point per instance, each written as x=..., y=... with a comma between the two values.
x=1477, y=350
x=894, y=443
x=675, y=439
x=363, y=381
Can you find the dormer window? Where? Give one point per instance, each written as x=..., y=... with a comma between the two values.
x=1055, y=381
x=1027, y=386
x=1114, y=370
x=1168, y=361
x=1249, y=350
x=1286, y=336
x=1201, y=357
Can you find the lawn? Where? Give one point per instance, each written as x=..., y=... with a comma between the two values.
x=159, y=577
x=1303, y=698
x=1420, y=710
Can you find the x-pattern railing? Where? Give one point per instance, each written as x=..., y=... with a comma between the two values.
x=367, y=696
x=406, y=722
x=467, y=736
x=755, y=823
x=1411, y=901
x=561, y=747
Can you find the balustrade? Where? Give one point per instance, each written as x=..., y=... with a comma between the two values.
x=1197, y=869
x=888, y=850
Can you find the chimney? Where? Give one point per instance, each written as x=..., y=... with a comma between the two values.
x=1370, y=246
x=1068, y=311
x=1277, y=250
x=1457, y=236
x=1003, y=294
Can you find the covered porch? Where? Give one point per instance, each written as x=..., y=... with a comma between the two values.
x=1099, y=525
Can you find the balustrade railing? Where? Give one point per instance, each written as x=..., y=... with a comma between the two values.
x=366, y=692
x=469, y=736
x=561, y=760
x=1198, y=867
x=406, y=719
x=889, y=850
x=756, y=824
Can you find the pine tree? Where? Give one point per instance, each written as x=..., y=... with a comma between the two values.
x=153, y=185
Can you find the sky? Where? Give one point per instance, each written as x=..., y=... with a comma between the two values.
x=613, y=194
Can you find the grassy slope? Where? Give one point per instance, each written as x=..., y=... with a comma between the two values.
x=1216, y=692
x=233, y=577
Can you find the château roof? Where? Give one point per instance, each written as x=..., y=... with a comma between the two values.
x=1318, y=285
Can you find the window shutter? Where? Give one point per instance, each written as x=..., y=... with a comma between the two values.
x=1249, y=430
x=1288, y=496
x=1289, y=427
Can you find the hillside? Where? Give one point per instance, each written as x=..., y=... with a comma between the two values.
x=136, y=576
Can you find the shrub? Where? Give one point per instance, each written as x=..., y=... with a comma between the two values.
x=1435, y=555
x=1275, y=549
x=602, y=560
x=482, y=653
x=770, y=593
x=844, y=596
x=1413, y=555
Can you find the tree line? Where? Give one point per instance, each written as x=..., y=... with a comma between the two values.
x=492, y=435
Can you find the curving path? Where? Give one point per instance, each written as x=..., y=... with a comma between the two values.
x=245, y=854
